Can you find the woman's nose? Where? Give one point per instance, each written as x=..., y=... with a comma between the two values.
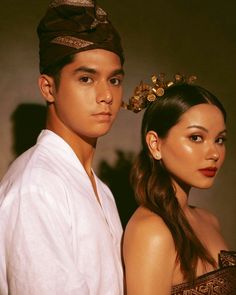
x=213, y=152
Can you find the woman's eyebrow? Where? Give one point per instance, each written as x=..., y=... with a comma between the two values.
x=204, y=129
x=198, y=127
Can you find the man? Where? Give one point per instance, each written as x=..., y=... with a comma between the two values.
x=60, y=232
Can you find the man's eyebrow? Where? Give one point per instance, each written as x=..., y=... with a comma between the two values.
x=204, y=129
x=118, y=72
x=198, y=127
x=93, y=71
x=85, y=70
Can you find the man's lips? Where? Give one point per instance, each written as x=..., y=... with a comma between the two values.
x=103, y=116
x=209, y=171
x=103, y=113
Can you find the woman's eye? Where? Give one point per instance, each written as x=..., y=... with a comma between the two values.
x=196, y=138
x=115, y=81
x=85, y=79
x=221, y=140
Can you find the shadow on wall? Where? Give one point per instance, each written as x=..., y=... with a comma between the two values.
x=117, y=178
x=27, y=120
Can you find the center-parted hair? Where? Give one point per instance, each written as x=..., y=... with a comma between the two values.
x=152, y=182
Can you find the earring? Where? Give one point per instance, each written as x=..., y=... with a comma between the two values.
x=158, y=156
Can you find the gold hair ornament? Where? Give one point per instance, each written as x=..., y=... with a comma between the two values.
x=145, y=93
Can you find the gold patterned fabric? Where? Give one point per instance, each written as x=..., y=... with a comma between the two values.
x=72, y=26
x=218, y=282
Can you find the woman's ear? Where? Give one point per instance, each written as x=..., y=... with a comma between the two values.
x=47, y=87
x=154, y=144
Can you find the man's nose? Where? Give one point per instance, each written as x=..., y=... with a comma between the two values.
x=104, y=93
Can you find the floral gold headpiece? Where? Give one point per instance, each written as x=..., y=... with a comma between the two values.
x=145, y=93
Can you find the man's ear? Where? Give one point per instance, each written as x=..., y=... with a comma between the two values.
x=47, y=87
x=154, y=144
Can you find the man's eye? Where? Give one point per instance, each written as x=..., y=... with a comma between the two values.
x=196, y=138
x=115, y=81
x=85, y=79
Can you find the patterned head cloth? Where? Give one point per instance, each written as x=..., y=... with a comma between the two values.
x=71, y=26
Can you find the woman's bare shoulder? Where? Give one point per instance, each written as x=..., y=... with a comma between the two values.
x=147, y=227
x=149, y=254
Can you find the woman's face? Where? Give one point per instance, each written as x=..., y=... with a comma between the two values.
x=194, y=149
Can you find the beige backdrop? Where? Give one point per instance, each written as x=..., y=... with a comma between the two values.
x=196, y=36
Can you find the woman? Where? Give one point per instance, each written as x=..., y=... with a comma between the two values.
x=169, y=246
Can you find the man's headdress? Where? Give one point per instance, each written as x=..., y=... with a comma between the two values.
x=71, y=26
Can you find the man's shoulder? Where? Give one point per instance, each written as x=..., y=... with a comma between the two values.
x=31, y=171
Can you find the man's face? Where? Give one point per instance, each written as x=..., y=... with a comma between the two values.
x=89, y=95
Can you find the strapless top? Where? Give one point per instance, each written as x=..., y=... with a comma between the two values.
x=218, y=282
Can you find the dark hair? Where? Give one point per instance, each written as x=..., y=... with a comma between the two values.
x=54, y=70
x=152, y=183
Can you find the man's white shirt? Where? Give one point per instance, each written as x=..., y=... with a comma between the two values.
x=55, y=237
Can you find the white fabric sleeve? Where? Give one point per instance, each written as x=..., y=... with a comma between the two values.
x=40, y=258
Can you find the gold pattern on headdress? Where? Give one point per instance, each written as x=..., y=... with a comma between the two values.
x=94, y=24
x=101, y=15
x=100, y=11
x=145, y=93
x=71, y=42
x=83, y=3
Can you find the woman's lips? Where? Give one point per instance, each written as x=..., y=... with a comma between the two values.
x=209, y=172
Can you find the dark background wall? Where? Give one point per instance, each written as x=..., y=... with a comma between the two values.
x=196, y=36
